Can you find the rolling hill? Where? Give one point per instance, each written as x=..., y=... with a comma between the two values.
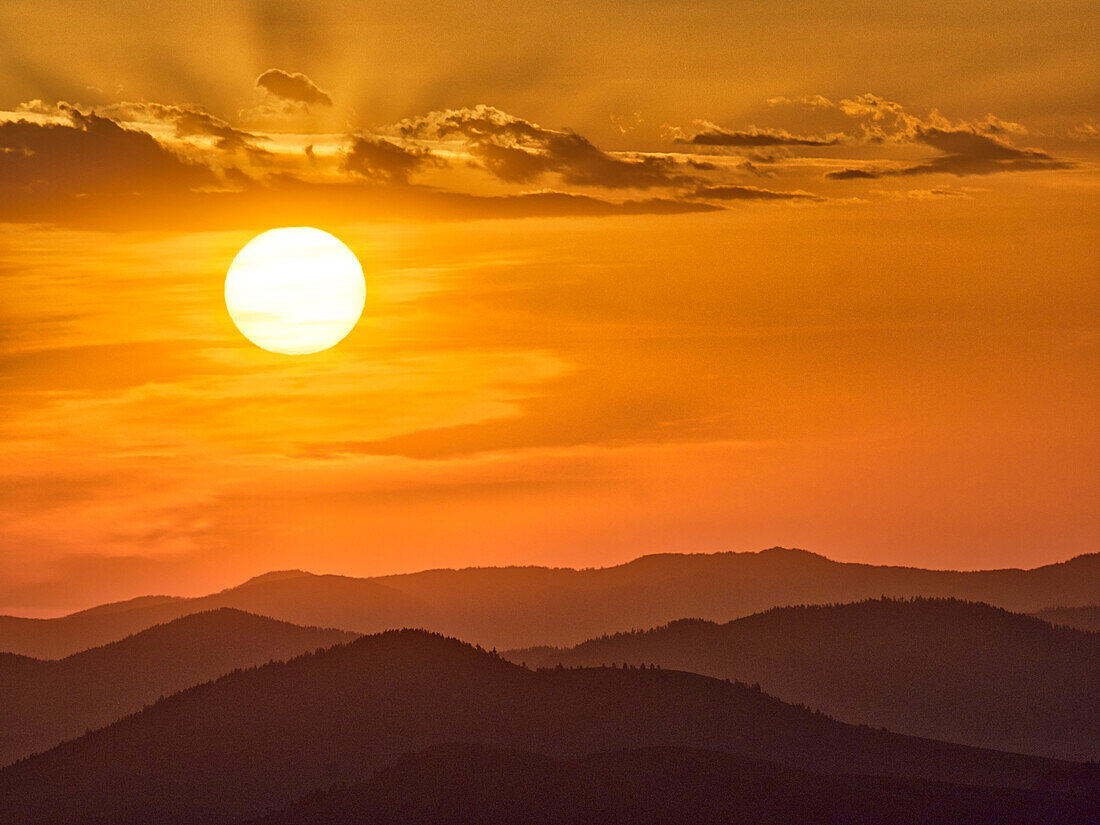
x=1086, y=617
x=320, y=601
x=47, y=702
x=659, y=786
x=511, y=607
x=944, y=669
x=256, y=740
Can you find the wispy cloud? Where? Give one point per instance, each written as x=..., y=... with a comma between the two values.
x=709, y=134
x=751, y=193
x=981, y=146
x=963, y=152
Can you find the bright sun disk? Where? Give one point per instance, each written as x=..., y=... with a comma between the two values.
x=295, y=290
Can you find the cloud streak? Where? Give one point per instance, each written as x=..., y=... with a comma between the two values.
x=963, y=152
x=751, y=193
x=752, y=138
x=977, y=147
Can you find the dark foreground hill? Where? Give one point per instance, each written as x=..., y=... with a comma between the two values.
x=510, y=607
x=47, y=702
x=256, y=740
x=939, y=668
x=1085, y=618
x=659, y=786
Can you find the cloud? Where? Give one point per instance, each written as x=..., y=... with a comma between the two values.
x=90, y=154
x=887, y=120
x=853, y=174
x=519, y=151
x=711, y=135
x=751, y=193
x=964, y=152
x=111, y=173
x=189, y=121
x=293, y=86
x=813, y=101
x=626, y=123
x=384, y=160
x=882, y=119
x=997, y=126
x=941, y=192
x=970, y=153
x=1089, y=130
x=977, y=147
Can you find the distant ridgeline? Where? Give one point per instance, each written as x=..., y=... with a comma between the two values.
x=514, y=607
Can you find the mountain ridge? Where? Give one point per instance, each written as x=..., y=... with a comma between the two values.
x=48, y=701
x=941, y=668
x=655, y=786
x=511, y=607
x=255, y=739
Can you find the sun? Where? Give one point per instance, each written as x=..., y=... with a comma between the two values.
x=295, y=290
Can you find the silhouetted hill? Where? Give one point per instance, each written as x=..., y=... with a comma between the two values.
x=523, y=606
x=15, y=664
x=129, y=604
x=47, y=702
x=494, y=606
x=256, y=740
x=944, y=669
x=1084, y=618
x=465, y=783
x=292, y=596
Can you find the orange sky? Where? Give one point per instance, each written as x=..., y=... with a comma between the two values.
x=640, y=278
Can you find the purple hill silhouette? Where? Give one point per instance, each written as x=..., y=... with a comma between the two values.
x=47, y=702
x=940, y=668
x=658, y=786
x=256, y=740
x=509, y=607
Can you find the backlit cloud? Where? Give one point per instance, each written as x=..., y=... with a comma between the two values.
x=89, y=154
x=293, y=86
x=385, y=160
x=156, y=165
x=964, y=152
x=173, y=165
x=519, y=151
x=708, y=134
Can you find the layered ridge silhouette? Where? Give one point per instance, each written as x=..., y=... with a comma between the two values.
x=256, y=740
x=292, y=596
x=1086, y=617
x=511, y=607
x=47, y=702
x=944, y=669
x=658, y=786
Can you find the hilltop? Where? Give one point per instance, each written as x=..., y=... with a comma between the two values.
x=255, y=740
x=509, y=607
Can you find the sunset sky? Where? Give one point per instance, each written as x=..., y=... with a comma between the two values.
x=641, y=277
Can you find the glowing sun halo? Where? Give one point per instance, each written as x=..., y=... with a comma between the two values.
x=295, y=290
